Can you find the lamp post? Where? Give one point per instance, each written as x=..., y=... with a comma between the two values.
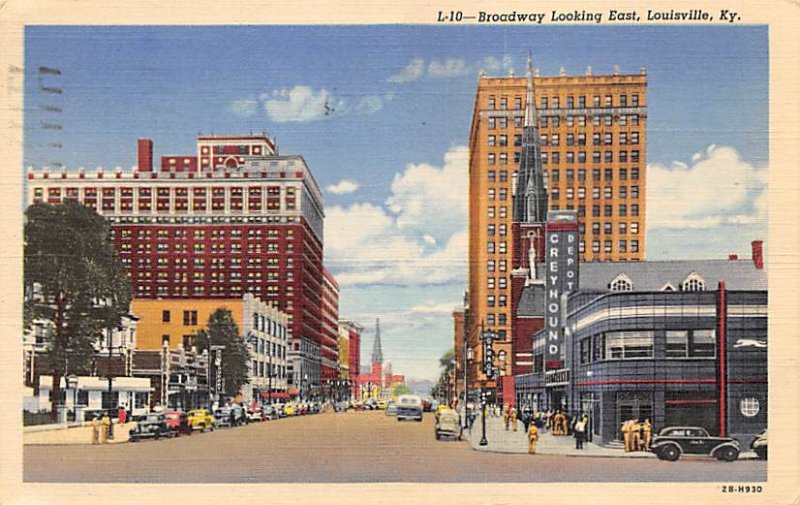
x=467, y=361
x=72, y=383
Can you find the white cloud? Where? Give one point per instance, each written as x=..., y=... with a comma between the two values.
x=300, y=103
x=343, y=187
x=718, y=188
x=369, y=105
x=418, y=237
x=411, y=72
x=244, y=107
x=451, y=67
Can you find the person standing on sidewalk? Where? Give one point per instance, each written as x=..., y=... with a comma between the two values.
x=533, y=437
x=646, y=430
x=506, y=415
x=95, y=430
x=512, y=414
x=105, y=425
x=548, y=419
x=635, y=435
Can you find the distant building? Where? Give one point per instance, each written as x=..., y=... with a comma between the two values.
x=377, y=383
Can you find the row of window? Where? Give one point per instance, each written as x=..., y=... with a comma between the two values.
x=555, y=157
x=570, y=101
x=555, y=175
x=214, y=263
x=607, y=192
x=269, y=326
x=267, y=369
x=200, y=247
x=227, y=289
x=622, y=246
x=570, y=120
x=621, y=345
x=572, y=139
x=198, y=233
x=608, y=209
x=253, y=192
x=692, y=282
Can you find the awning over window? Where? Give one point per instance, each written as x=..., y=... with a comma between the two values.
x=292, y=392
x=277, y=394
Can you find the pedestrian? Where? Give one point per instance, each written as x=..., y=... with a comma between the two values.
x=105, y=427
x=122, y=415
x=626, y=435
x=646, y=431
x=533, y=437
x=636, y=439
x=548, y=419
x=526, y=418
x=579, y=431
x=565, y=424
x=506, y=415
x=512, y=414
x=95, y=430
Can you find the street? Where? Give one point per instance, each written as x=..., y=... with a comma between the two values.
x=351, y=447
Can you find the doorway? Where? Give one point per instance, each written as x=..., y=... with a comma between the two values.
x=632, y=406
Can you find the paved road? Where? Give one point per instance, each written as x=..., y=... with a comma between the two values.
x=353, y=447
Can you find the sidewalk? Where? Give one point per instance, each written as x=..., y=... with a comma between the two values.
x=509, y=441
x=59, y=434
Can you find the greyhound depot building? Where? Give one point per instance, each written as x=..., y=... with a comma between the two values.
x=676, y=342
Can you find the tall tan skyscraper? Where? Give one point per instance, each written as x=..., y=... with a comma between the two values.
x=592, y=132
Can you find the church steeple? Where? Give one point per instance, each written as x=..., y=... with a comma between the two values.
x=530, y=197
x=377, y=353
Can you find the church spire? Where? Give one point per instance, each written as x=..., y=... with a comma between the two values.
x=530, y=197
x=377, y=353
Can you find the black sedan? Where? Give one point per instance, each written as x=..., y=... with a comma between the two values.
x=675, y=441
x=150, y=426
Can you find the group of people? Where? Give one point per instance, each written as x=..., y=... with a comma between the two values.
x=636, y=435
x=510, y=416
x=103, y=427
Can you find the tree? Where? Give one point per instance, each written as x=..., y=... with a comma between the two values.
x=75, y=284
x=400, y=389
x=447, y=366
x=223, y=330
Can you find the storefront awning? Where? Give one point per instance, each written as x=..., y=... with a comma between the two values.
x=292, y=392
x=277, y=394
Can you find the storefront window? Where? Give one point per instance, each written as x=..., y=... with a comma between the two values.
x=598, y=353
x=629, y=344
x=538, y=363
x=703, y=344
x=586, y=350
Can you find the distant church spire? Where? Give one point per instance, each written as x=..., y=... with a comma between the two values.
x=530, y=197
x=377, y=353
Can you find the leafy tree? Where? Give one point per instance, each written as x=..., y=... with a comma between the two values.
x=75, y=284
x=447, y=366
x=401, y=389
x=223, y=330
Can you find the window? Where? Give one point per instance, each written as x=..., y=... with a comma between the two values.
x=634, y=246
x=492, y=123
x=190, y=318
x=693, y=282
x=555, y=102
x=623, y=100
x=607, y=102
x=490, y=103
x=503, y=175
x=165, y=316
x=503, y=212
x=635, y=100
x=607, y=120
x=490, y=230
x=503, y=122
x=491, y=140
x=596, y=228
x=586, y=350
x=623, y=210
x=503, y=283
x=607, y=228
x=503, y=158
x=503, y=265
x=490, y=266
x=703, y=344
x=503, y=229
x=503, y=140
x=623, y=228
x=635, y=173
x=581, y=192
x=581, y=139
x=502, y=301
x=595, y=211
x=596, y=193
x=621, y=283
x=490, y=301
x=608, y=211
x=490, y=247
x=635, y=228
x=582, y=174
x=491, y=193
x=623, y=246
x=607, y=192
x=517, y=103
x=623, y=192
x=595, y=246
x=503, y=194
x=556, y=158
x=503, y=103
x=490, y=282
x=595, y=156
x=595, y=139
x=490, y=175
x=749, y=406
x=628, y=344
x=599, y=348
x=607, y=246
x=490, y=212
x=635, y=209
x=596, y=101
x=677, y=344
x=634, y=137
x=503, y=247
x=634, y=191
x=490, y=158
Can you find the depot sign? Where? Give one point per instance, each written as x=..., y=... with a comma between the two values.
x=561, y=276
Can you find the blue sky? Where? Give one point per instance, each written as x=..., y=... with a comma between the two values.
x=402, y=99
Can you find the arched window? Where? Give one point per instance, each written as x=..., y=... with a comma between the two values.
x=621, y=283
x=693, y=282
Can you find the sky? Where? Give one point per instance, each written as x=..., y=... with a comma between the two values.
x=382, y=115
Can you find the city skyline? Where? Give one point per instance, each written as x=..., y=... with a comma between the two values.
x=384, y=128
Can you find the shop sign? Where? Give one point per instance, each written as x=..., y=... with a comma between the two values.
x=556, y=377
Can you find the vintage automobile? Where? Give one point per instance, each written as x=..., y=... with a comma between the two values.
x=409, y=407
x=391, y=409
x=200, y=419
x=759, y=445
x=178, y=422
x=674, y=441
x=255, y=414
x=381, y=404
x=269, y=412
x=231, y=416
x=448, y=424
x=152, y=425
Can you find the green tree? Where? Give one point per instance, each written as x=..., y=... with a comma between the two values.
x=75, y=284
x=223, y=330
x=400, y=389
x=447, y=367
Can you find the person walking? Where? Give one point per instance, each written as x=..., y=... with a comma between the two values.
x=635, y=436
x=533, y=437
x=506, y=415
x=526, y=418
x=95, y=430
x=646, y=431
x=512, y=414
x=548, y=419
x=105, y=425
x=579, y=431
x=564, y=424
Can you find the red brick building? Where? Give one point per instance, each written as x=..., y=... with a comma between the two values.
x=235, y=217
x=330, y=327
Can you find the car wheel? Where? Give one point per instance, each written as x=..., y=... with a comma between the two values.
x=670, y=453
x=438, y=436
x=157, y=435
x=729, y=454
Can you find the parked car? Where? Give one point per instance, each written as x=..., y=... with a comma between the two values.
x=201, y=419
x=152, y=425
x=370, y=404
x=448, y=424
x=672, y=442
x=255, y=415
x=759, y=445
x=178, y=422
x=381, y=404
x=289, y=409
x=409, y=407
x=391, y=409
x=426, y=405
x=269, y=412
